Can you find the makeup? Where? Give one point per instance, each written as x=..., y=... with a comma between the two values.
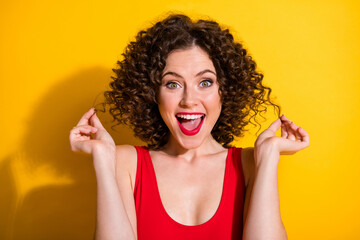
x=190, y=123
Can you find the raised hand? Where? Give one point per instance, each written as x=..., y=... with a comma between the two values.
x=293, y=138
x=89, y=135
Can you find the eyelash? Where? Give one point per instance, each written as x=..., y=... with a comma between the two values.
x=209, y=81
x=170, y=83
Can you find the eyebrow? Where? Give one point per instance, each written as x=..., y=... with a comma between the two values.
x=198, y=74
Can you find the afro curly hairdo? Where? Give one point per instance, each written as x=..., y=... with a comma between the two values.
x=132, y=99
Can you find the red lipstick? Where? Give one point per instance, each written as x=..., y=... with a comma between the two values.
x=194, y=131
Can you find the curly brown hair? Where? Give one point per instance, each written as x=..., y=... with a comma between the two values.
x=133, y=98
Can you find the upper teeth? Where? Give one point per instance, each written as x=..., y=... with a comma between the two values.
x=189, y=116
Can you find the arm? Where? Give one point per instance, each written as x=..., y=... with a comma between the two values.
x=262, y=219
x=112, y=215
x=112, y=219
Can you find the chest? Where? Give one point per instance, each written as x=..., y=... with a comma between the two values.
x=190, y=193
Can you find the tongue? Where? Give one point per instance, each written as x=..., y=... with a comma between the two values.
x=190, y=124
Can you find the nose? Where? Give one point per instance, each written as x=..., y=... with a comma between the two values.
x=189, y=98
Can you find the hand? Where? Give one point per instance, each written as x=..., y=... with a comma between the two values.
x=292, y=140
x=89, y=135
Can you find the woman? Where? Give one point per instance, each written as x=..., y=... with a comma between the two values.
x=186, y=88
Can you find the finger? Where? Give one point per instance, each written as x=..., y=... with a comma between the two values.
x=285, y=126
x=85, y=118
x=81, y=132
x=284, y=132
x=291, y=147
x=295, y=129
x=275, y=125
x=285, y=119
x=304, y=136
x=80, y=138
x=290, y=132
x=95, y=121
x=290, y=128
x=83, y=129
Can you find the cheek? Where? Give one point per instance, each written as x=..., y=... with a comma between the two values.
x=167, y=102
x=213, y=100
x=167, y=105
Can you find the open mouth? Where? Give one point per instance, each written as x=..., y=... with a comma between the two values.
x=190, y=123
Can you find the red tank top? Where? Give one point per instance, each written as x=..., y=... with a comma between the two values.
x=153, y=222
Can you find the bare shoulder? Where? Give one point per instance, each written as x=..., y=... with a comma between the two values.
x=248, y=164
x=125, y=152
x=126, y=161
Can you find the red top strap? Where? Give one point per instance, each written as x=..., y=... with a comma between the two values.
x=153, y=222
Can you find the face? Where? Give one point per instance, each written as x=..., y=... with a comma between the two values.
x=189, y=100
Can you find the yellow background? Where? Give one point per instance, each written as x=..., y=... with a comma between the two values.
x=56, y=57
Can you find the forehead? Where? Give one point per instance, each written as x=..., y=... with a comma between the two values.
x=192, y=59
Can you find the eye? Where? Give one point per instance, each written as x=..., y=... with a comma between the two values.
x=172, y=85
x=206, y=83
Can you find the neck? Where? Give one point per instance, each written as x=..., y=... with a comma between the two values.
x=209, y=146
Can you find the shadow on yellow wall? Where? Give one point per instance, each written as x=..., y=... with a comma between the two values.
x=50, y=192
